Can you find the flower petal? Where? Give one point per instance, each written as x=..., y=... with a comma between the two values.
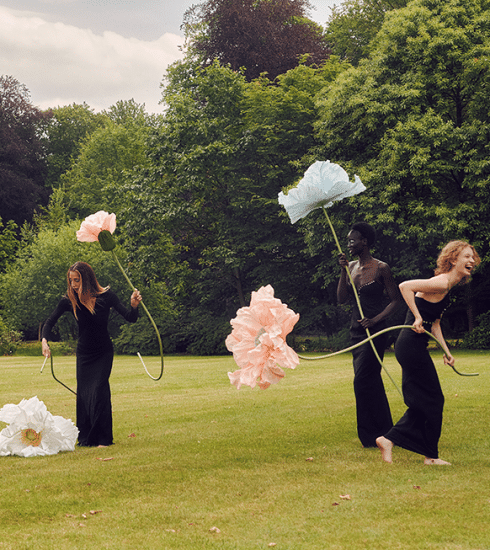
x=322, y=184
x=258, y=340
x=56, y=433
x=94, y=224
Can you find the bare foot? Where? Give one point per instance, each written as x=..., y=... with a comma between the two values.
x=102, y=446
x=436, y=461
x=385, y=446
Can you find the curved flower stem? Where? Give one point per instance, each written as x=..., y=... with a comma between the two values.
x=149, y=317
x=59, y=381
x=379, y=334
x=358, y=301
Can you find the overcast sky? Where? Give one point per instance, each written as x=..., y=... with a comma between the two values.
x=96, y=51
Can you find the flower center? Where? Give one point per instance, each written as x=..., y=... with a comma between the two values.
x=31, y=437
x=259, y=334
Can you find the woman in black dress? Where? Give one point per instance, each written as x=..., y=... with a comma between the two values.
x=419, y=429
x=90, y=304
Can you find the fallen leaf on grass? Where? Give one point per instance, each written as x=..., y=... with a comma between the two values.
x=214, y=530
x=105, y=459
x=335, y=504
x=309, y=459
x=345, y=497
x=93, y=512
x=170, y=530
x=70, y=516
x=132, y=435
x=416, y=486
x=272, y=544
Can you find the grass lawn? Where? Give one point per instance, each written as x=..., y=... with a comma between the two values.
x=198, y=464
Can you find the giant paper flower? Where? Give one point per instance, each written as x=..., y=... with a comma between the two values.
x=33, y=431
x=323, y=183
x=258, y=340
x=100, y=227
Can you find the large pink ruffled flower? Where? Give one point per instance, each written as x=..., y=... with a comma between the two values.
x=96, y=226
x=258, y=340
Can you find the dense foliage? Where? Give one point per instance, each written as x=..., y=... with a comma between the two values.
x=258, y=36
x=354, y=24
x=412, y=121
x=22, y=158
x=195, y=188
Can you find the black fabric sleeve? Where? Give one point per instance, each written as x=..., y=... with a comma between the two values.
x=131, y=314
x=63, y=306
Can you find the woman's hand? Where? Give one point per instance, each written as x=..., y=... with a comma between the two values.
x=418, y=325
x=136, y=298
x=449, y=360
x=46, y=350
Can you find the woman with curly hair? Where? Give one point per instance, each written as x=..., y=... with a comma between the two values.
x=419, y=429
x=90, y=304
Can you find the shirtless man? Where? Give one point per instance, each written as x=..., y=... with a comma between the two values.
x=372, y=279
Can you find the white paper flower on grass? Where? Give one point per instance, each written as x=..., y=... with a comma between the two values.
x=33, y=431
x=323, y=183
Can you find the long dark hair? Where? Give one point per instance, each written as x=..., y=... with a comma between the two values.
x=90, y=287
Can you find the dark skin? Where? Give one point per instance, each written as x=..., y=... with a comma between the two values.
x=361, y=271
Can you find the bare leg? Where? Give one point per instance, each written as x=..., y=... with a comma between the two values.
x=436, y=461
x=385, y=446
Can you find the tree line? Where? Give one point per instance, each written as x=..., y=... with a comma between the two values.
x=392, y=91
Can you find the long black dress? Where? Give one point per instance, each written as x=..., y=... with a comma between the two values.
x=95, y=355
x=419, y=429
x=372, y=407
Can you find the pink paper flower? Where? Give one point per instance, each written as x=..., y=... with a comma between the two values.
x=258, y=340
x=98, y=227
x=94, y=224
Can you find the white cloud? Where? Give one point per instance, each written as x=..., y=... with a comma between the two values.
x=61, y=64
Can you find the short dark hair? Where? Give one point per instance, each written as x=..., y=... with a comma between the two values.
x=367, y=231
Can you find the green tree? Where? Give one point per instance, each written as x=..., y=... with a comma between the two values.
x=94, y=181
x=225, y=150
x=33, y=283
x=8, y=243
x=65, y=133
x=131, y=114
x=411, y=121
x=353, y=25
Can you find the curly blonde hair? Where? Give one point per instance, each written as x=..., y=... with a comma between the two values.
x=449, y=254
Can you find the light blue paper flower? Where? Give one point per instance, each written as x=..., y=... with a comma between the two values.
x=323, y=183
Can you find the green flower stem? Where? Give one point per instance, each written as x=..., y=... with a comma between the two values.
x=379, y=334
x=59, y=381
x=149, y=317
x=359, y=303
